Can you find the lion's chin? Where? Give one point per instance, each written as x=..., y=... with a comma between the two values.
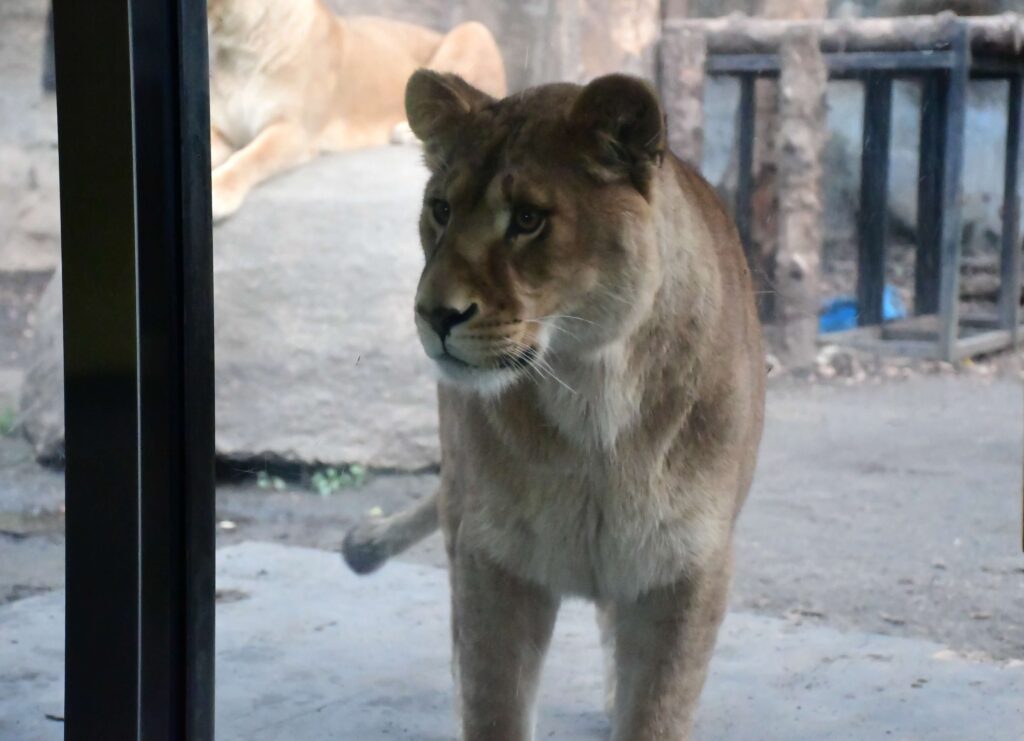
x=485, y=381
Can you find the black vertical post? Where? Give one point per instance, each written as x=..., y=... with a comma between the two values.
x=951, y=193
x=929, y=194
x=176, y=382
x=745, y=164
x=97, y=192
x=195, y=324
x=874, y=191
x=1009, y=284
x=136, y=250
x=49, y=73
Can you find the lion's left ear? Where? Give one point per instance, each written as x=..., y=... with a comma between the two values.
x=436, y=103
x=622, y=125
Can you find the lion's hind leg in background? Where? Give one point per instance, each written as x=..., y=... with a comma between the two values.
x=470, y=51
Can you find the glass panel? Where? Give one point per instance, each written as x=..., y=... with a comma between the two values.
x=871, y=571
x=877, y=562
x=31, y=397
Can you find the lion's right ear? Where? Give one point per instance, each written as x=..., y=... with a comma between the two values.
x=436, y=103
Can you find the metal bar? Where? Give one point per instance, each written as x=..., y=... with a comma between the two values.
x=874, y=189
x=893, y=62
x=176, y=373
x=839, y=63
x=97, y=190
x=1009, y=283
x=929, y=195
x=745, y=165
x=134, y=160
x=743, y=64
x=951, y=195
x=49, y=78
x=197, y=358
x=992, y=66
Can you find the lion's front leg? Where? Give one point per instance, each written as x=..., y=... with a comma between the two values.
x=278, y=147
x=501, y=628
x=220, y=149
x=663, y=645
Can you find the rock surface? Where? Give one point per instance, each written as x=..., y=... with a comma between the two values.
x=29, y=213
x=41, y=412
x=316, y=352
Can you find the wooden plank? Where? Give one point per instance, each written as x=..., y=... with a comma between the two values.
x=921, y=328
x=979, y=321
x=682, y=65
x=799, y=147
x=992, y=35
x=981, y=344
x=1009, y=263
x=873, y=216
x=891, y=348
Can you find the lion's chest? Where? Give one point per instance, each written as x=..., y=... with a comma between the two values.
x=243, y=101
x=588, y=528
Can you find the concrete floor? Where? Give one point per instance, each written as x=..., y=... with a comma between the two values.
x=879, y=591
x=308, y=651
x=891, y=508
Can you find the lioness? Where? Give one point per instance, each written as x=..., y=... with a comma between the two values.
x=289, y=79
x=587, y=304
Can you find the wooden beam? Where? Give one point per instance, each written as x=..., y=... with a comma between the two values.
x=980, y=344
x=739, y=34
x=799, y=147
x=682, y=61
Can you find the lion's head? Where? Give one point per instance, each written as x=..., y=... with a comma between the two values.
x=537, y=223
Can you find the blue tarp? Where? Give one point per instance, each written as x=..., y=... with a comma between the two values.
x=841, y=312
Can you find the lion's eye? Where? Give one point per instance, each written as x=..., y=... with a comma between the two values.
x=526, y=220
x=441, y=211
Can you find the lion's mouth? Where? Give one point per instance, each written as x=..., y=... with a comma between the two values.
x=446, y=358
x=519, y=360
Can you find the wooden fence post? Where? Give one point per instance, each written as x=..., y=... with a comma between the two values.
x=682, y=58
x=800, y=144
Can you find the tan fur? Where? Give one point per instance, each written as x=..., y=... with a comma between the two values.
x=602, y=392
x=289, y=79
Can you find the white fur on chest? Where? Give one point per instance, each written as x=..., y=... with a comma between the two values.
x=593, y=529
x=600, y=520
x=246, y=94
x=596, y=401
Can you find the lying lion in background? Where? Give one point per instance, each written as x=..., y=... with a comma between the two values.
x=290, y=79
x=586, y=301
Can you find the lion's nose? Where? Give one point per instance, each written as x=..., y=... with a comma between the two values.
x=444, y=318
